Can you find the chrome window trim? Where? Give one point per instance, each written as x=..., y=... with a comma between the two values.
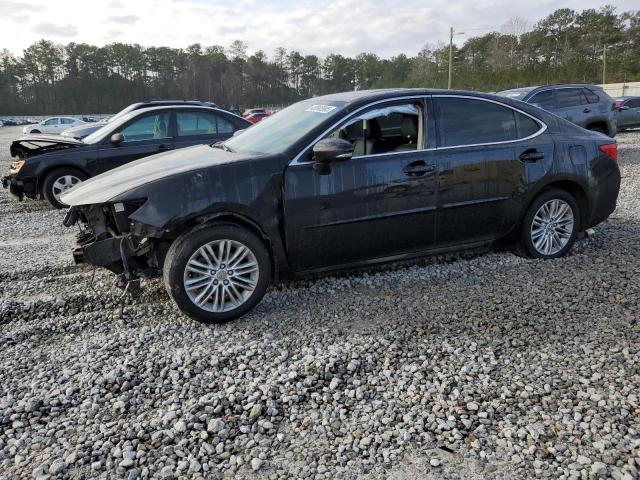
x=296, y=159
x=543, y=128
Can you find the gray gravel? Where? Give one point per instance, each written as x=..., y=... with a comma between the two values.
x=477, y=365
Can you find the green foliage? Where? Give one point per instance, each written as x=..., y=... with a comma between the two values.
x=566, y=46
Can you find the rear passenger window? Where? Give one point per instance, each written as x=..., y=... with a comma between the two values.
x=527, y=126
x=543, y=100
x=570, y=97
x=196, y=123
x=464, y=121
x=590, y=96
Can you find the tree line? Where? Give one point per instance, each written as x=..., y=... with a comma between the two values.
x=566, y=46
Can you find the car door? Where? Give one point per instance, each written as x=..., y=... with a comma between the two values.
x=543, y=99
x=199, y=126
x=572, y=105
x=379, y=203
x=50, y=125
x=629, y=114
x=146, y=134
x=485, y=150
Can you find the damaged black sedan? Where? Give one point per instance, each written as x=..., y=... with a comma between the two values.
x=47, y=166
x=342, y=181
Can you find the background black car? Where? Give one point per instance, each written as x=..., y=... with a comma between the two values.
x=346, y=180
x=82, y=131
x=50, y=165
x=586, y=105
x=629, y=114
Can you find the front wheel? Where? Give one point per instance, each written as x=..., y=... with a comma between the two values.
x=217, y=273
x=551, y=225
x=59, y=181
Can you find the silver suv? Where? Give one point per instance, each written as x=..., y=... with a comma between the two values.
x=583, y=104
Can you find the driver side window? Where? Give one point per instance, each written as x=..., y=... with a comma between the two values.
x=393, y=128
x=149, y=127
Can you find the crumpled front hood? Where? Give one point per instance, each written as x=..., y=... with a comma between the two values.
x=31, y=145
x=102, y=188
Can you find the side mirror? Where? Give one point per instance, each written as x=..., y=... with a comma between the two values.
x=624, y=107
x=332, y=149
x=117, y=138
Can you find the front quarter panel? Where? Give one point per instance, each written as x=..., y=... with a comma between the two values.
x=249, y=189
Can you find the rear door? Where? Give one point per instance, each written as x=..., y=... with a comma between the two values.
x=144, y=135
x=486, y=153
x=573, y=105
x=199, y=126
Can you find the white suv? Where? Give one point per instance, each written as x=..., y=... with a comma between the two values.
x=53, y=125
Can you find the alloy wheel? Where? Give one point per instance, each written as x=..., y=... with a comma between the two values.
x=221, y=275
x=62, y=184
x=552, y=227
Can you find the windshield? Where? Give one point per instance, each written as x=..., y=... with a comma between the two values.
x=122, y=112
x=112, y=126
x=278, y=132
x=516, y=93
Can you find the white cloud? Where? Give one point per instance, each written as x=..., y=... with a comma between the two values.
x=384, y=27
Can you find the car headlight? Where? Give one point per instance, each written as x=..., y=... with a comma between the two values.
x=16, y=166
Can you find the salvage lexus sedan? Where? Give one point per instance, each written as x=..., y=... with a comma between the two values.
x=48, y=166
x=341, y=181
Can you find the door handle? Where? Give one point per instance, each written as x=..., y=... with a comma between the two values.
x=164, y=147
x=531, y=156
x=418, y=168
x=586, y=110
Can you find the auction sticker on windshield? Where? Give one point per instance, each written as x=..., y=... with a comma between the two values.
x=320, y=108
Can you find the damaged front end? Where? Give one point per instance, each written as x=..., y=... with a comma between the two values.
x=109, y=239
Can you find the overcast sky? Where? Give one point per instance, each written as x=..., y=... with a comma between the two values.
x=384, y=27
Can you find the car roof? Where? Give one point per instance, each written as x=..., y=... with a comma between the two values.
x=176, y=107
x=362, y=96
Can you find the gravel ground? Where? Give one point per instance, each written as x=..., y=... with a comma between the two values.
x=477, y=365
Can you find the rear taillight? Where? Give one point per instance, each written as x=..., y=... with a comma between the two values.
x=616, y=105
x=610, y=150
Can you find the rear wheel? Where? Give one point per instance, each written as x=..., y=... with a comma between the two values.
x=59, y=181
x=598, y=129
x=551, y=225
x=217, y=273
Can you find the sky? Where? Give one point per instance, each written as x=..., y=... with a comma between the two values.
x=348, y=27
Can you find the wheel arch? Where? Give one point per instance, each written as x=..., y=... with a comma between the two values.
x=599, y=124
x=272, y=243
x=51, y=168
x=569, y=185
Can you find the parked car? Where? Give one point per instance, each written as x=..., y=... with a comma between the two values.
x=53, y=125
x=49, y=165
x=252, y=111
x=340, y=181
x=256, y=117
x=629, y=112
x=83, y=130
x=585, y=105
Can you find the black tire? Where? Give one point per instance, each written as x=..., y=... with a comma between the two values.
x=526, y=243
x=598, y=129
x=48, y=191
x=188, y=244
x=35, y=131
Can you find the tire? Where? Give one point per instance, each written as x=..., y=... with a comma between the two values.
x=598, y=129
x=561, y=240
x=59, y=180
x=209, y=286
x=35, y=131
